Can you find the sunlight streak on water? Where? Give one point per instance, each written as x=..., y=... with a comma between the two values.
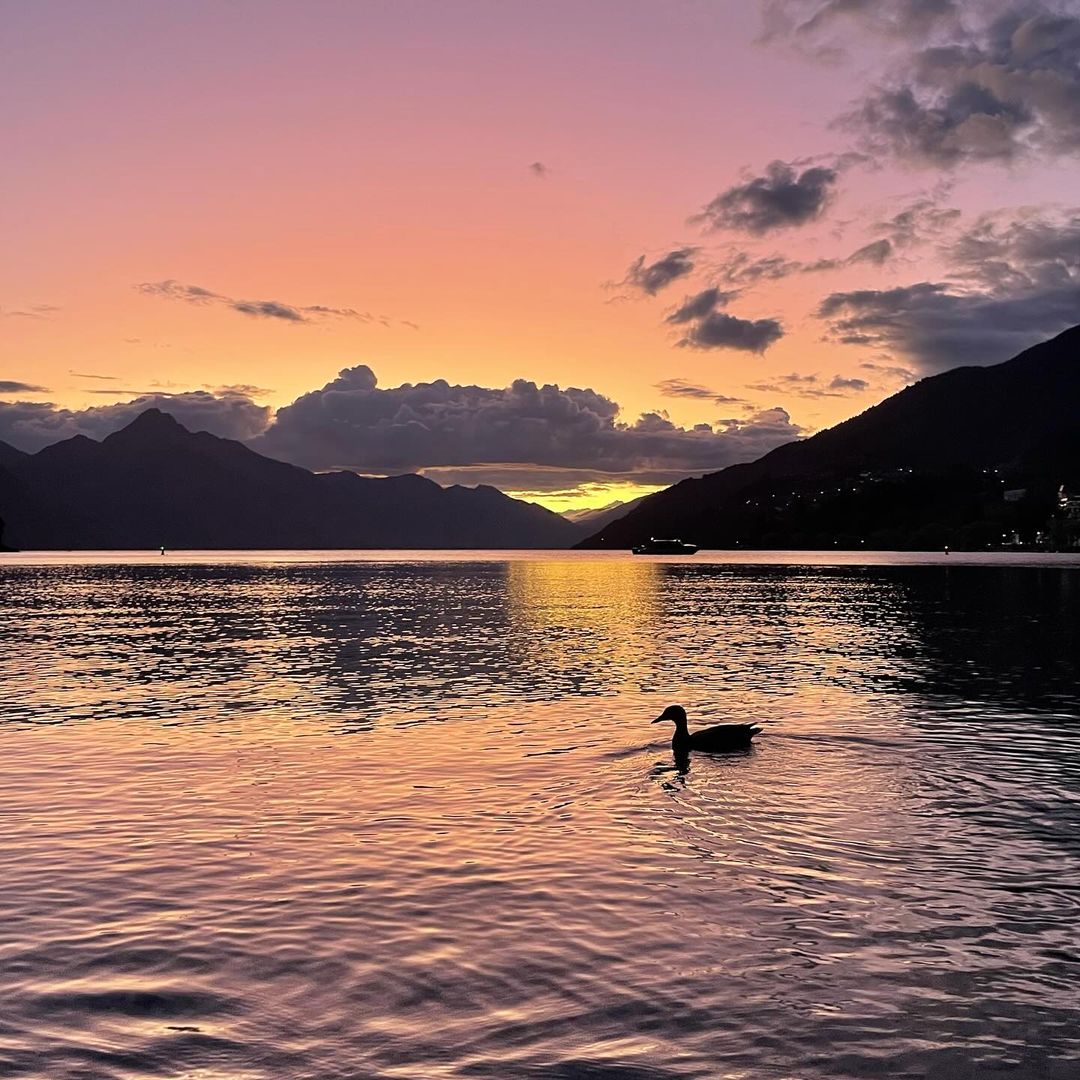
x=408, y=819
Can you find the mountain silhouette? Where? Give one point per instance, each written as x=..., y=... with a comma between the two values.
x=971, y=456
x=154, y=483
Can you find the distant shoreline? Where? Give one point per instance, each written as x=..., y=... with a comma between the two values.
x=736, y=557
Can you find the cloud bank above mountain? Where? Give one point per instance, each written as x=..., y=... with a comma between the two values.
x=545, y=433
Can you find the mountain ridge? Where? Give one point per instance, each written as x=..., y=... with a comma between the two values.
x=1020, y=417
x=155, y=483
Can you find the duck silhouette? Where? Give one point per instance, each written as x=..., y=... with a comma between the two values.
x=715, y=740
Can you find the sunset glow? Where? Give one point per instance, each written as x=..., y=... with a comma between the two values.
x=240, y=201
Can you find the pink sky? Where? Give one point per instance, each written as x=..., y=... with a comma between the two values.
x=376, y=157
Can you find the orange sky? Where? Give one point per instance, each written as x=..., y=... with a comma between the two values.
x=376, y=157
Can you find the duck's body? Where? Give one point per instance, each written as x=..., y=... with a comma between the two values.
x=718, y=739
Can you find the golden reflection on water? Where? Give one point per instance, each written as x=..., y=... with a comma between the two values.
x=564, y=610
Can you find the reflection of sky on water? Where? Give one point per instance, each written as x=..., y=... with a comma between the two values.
x=411, y=820
x=350, y=642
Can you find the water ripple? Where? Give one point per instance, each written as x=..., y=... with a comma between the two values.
x=409, y=819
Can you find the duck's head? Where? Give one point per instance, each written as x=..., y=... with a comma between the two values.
x=675, y=713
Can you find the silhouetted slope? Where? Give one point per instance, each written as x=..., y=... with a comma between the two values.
x=155, y=483
x=912, y=463
x=10, y=456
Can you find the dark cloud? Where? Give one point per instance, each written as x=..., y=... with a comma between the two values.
x=1014, y=281
x=698, y=306
x=30, y=426
x=1013, y=251
x=8, y=386
x=515, y=433
x=811, y=386
x=259, y=309
x=346, y=313
x=718, y=330
x=842, y=384
x=743, y=268
x=918, y=222
x=707, y=328
x=352, y=423
x=937, y=328
x=87, y=375
x=966, y=80
x=267, y=309
x=174, y=290
x=539, y=169
x=781, y=198
x=1002, y=82
x=652, y=277
x=890, y=371
x=877, y=252
x=967, y=123
x=239, y=389
x=681, y=388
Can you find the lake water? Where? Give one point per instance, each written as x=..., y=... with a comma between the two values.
x=333, y=815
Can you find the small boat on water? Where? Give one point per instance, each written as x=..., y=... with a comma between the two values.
x=664, y=547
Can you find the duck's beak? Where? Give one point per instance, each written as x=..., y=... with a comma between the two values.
x=659, y=719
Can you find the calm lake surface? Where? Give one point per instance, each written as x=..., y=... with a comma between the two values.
x=358, y=815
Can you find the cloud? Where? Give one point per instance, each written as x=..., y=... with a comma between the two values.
x=745, y=268
x=819, y=27
x=698, y=306
x=652, y=277
x=681, y=388
x=86, y=375
x=810, y=386
x=352, y=423
x=35, y=311
x=921, y=221
x=707, y=328
x=539, y=170
x=890, y=371
x=999, y=83
x=31, y=426
x=718, y=330
x=267, y=309
x=1014, y=280
x=918, y=222
x=781, y=198
x=170, y=289
x=965, y=80
x=239, y=390
x=842, y=384
x=472, y=433
x=936, y=328
x=8, y=386
x=877, y=252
